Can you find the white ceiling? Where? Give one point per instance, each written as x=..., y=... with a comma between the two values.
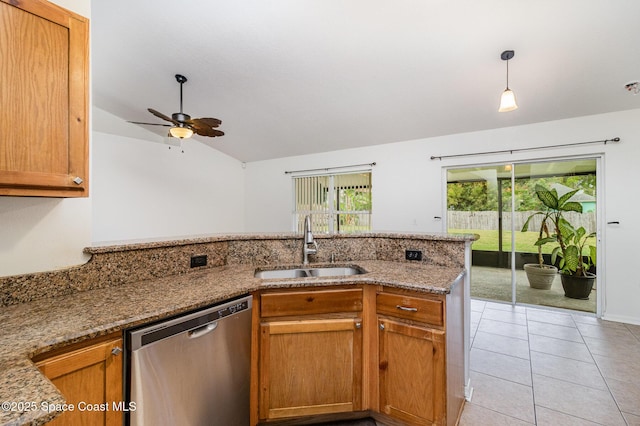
x=291, y=77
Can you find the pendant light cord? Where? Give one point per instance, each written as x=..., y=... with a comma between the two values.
x=507, y=74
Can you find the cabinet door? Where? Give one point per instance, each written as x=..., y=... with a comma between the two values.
x=92, y=377
x=412, y=373
x=43, y=100
x=310, y=367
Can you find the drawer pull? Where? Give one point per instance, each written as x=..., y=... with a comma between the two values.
x=405, y=308
x=381, y=326
x=358, y=325
x=116, y=350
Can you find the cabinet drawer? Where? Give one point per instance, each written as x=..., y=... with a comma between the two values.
x=413, y=308
x=310, y=302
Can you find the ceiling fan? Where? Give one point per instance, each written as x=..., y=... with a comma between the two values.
x=183, y=125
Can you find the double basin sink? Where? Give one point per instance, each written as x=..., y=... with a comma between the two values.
x=306, y=272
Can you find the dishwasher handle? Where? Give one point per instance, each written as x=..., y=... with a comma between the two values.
x=201, y=331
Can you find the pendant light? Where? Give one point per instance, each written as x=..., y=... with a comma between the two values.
x=508, y=98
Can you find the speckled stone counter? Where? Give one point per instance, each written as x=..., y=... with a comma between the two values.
x=106, y=296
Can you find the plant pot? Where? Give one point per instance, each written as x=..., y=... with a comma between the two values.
x=540, y=277
x=578, y=286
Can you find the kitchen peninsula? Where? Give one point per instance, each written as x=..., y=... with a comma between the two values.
x=131, y=284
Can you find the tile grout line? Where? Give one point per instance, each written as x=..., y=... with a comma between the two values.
x=533, y=387
x=615, y=401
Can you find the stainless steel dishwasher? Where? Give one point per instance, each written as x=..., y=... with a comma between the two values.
x=192, y=370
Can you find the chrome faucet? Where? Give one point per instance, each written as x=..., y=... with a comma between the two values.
x=309, y=246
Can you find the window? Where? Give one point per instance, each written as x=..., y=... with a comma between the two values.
x=337, y=203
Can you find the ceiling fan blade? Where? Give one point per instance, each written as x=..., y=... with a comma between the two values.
x=206, y=121
x=150, y=124
x=205, y=126
x=207, y=131
x=161, y=115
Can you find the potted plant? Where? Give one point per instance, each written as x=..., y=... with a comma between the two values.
x=575, y=263
x=541, y=276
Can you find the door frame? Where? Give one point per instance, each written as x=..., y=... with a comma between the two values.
x=600, y=284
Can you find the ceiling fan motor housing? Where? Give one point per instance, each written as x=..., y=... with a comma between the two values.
x=180, y=117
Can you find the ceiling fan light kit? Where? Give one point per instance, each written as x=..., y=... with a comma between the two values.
x=183, y=126
x=508, y=98
x=181, y=132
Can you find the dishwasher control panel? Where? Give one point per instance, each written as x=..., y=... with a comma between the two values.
x=153, y=333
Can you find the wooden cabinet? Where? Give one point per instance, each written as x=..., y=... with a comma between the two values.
x=310, y=367
x=412, y=370
x=309, y=359
x=44, y=87
x=89, y=377
x=412, y=373
x=395, y=355
x=420, y=377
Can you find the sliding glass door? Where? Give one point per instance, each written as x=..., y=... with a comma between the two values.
x=495, y=202
x=476, y=203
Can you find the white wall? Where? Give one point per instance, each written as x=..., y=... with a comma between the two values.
x=408, y=185
x=41, y=234
x=143, y=189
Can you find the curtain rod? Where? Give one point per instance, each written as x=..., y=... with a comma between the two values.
x=326, y=169
x=511, y=151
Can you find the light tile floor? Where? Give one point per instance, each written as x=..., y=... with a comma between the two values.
x=531, y=366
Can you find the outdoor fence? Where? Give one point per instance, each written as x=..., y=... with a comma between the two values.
x=489, y=220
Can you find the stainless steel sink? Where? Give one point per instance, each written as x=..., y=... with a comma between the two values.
x=322, y=271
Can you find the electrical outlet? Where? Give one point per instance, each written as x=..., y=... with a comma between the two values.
x=197, y=261
x=413, y=254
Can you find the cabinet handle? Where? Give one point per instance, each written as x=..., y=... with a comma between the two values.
x=78, y=180
x=404, y=308
x=381, y=326
x=116, y=351
x=358, y=325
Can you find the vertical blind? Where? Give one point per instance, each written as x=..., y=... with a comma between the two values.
x=337, y=203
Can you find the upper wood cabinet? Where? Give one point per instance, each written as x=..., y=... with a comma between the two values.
x=44, y=88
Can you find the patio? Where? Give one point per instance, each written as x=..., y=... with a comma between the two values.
x=495, y=284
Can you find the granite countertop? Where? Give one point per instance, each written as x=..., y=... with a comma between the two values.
x=36, y=327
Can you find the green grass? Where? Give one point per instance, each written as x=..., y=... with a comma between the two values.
x=489, y=241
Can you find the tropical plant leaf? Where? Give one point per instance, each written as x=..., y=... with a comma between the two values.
x=525, y=227
x=580, y=232
x=572, y=206
x=548, y=198
x=566, y=197
x=565, y=229
x=543, y=241
x=571, y=258
x=592, y=254
x=554, y=255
